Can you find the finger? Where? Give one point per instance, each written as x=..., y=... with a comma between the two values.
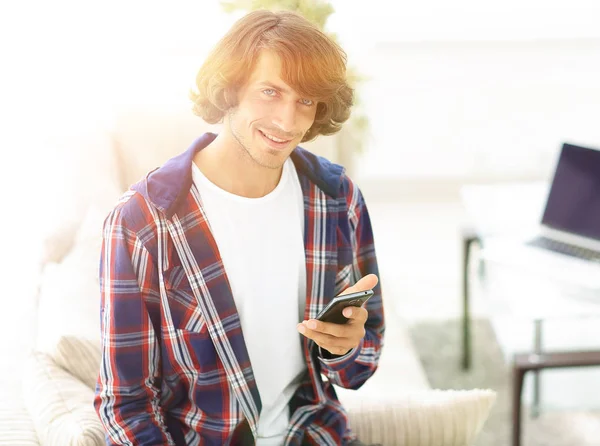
x=356, y=314
x=324, y=340
x=366, y=283
x=337, y=330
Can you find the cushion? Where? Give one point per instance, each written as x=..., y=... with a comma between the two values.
x=16, y=426
x=424, y=418
x=69, y=300
x=80, y=357
x=146, y=136
x=60, y=405
x=79, y=168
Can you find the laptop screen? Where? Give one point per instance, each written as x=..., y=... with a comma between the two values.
x=574, y=200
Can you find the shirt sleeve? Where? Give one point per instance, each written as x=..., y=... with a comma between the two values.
x=354, y=368
x=127, y=394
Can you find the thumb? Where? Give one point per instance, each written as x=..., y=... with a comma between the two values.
x=366, y=283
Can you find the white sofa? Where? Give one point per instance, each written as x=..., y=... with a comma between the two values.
x=395, y=407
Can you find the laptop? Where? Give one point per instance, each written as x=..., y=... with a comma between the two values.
x=570, y=223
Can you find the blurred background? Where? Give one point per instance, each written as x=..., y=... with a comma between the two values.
x=451, y=96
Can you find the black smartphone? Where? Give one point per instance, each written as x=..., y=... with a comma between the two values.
x=333, y=311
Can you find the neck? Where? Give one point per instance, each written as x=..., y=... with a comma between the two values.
x=227, y=165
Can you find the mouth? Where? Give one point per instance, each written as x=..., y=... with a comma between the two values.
x=274, y=141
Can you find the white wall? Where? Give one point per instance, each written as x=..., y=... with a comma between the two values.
x=473, y=90
x=361, y=23
x=479, y=110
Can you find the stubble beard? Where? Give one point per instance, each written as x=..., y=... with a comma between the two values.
x=245, y=151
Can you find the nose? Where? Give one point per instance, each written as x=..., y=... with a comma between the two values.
x=285, y=117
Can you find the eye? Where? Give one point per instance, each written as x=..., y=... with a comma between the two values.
x=306, y=102
x=269, y=92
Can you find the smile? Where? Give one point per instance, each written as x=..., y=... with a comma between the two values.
x=274, y=138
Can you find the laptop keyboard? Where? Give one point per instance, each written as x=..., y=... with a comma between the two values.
x=565, y=248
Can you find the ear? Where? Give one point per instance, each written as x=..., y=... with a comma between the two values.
x=230, y=95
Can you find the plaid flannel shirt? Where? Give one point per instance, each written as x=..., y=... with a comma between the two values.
x=175, y=369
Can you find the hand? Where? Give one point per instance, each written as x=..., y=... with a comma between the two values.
x=339, y=339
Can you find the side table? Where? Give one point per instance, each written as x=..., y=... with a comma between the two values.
x=524, y=362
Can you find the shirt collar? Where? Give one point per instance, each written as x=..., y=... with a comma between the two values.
x=167, y=186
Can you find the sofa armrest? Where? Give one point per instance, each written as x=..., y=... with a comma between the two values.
x=424, y=418
x=60, y=405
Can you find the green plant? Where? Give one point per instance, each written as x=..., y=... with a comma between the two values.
x=316, y=11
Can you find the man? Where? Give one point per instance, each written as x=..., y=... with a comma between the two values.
x=215, y=265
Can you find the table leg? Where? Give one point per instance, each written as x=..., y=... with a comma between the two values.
x=468, y=238
x=537, y=349
x=518, y=376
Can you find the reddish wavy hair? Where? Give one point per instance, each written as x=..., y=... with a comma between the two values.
x=312, y=64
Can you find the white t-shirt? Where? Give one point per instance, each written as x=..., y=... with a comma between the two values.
x=261, y=242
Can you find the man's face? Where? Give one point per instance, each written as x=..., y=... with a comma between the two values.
x=270, y=118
